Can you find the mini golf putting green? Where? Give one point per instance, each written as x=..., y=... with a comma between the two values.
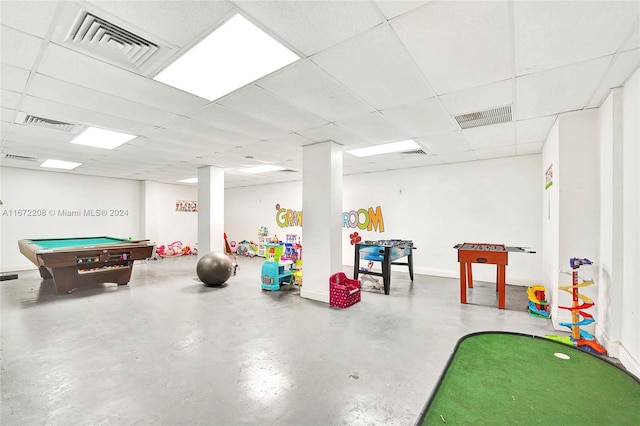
x=497, y=378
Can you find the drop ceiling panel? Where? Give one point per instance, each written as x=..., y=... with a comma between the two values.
x=479, y=98
x=562, y=89
x=19, y=49
x=40, y=14
x=534, y=130
x=391, y=9
x=72, y=114
x=265, y=106
x=422, y=118
x=529, y=148
x=421, y=160
x=13, y=78
x=623, y=66
x=65, y=93
x=234, y=121
x=445, y=143
x=453, y=41
x=71, y=66
x=306, y=85
x=200, y=129
x=179, y=22
x=332, y=132
x=458, y=157
x=9, y=98
x=376, y=67
x=634, y=39
x=495, y=135
x=374, y=128
x=496, y=152
x=554, y=34
x=186, y=141
x=310, y=26
x=40, y=133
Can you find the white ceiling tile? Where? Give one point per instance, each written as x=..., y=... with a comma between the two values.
x=234, y=121
x=261, y=104
x=623, y=66
x=479, y=98
x=9, y=99
x=529, y=148
x=332, y=132
x=534, y=130
x=179, y=22
x=495, y=135
x=634, y=39
x=374, y=128
x=445, y=143
x=306, y=85
x=71, y=66
x=496, y=152
x=310, y=26
x=459, y=45
x=376, y=67
x=13, y=78
x=421, y=160
x=59, y=91
x=422, y=118
x=393, y=8
x=554, y=34
x=19, y=49
x=457, y=157
x=71, y=114
x=40, y=15
x=562, y=89
x=214, y=134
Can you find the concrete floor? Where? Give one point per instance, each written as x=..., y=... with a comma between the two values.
x=166, y=350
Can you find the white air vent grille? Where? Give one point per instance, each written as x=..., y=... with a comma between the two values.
x=484, y=118
x=86, y=28
x=413, y=152
x=20, y=158
x=287, y=171
x=32, y=120
x=94, y=31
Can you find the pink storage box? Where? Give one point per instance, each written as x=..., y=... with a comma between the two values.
x=343, y=291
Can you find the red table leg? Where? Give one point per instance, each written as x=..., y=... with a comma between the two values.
x=502, y=285
x=463, y=283
x=469, y=276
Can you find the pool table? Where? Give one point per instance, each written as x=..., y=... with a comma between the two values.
x=72, y=262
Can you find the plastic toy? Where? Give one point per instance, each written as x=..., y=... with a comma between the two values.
x=579, y=317
x=538, y=305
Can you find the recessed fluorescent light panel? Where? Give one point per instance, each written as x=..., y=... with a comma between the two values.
x=234, y=55
x=385, y=148
x=101, y=138
x=189, y=180
x=59, y=164
x=262, y=169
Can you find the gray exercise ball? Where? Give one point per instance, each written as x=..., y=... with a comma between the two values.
x=214, y=268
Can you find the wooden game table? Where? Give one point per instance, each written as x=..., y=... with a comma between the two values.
x=492, y=254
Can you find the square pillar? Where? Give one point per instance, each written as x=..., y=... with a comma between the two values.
x=322, y=207
x=210, y=210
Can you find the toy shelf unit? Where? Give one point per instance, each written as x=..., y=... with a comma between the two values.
x=262, y=240
x=276, y=270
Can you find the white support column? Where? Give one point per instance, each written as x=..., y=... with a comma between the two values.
x=210, y=210
x=322, y=207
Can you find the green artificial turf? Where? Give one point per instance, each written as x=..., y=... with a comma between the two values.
x=507, y=379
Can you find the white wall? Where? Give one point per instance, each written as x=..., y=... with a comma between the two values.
x=495, y=201
x=551, y=216
x=630, y=334
x=35, y=203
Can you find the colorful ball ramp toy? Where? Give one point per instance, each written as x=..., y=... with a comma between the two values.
x=579, y=317
x=538, y=305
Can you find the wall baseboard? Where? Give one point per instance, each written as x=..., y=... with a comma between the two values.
x=314, y=295
x=629, y=363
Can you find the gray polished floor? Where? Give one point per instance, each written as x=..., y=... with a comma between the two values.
x=166, y=350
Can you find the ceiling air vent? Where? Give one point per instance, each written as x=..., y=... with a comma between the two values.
x=94, y=31
x=88, y=29
x=32, y=120
x=20, y=158
x=413, y=152
x=287, y=171
x=483, y=118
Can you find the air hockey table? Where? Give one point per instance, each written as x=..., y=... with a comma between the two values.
x=492, y=254
x=387, y=252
